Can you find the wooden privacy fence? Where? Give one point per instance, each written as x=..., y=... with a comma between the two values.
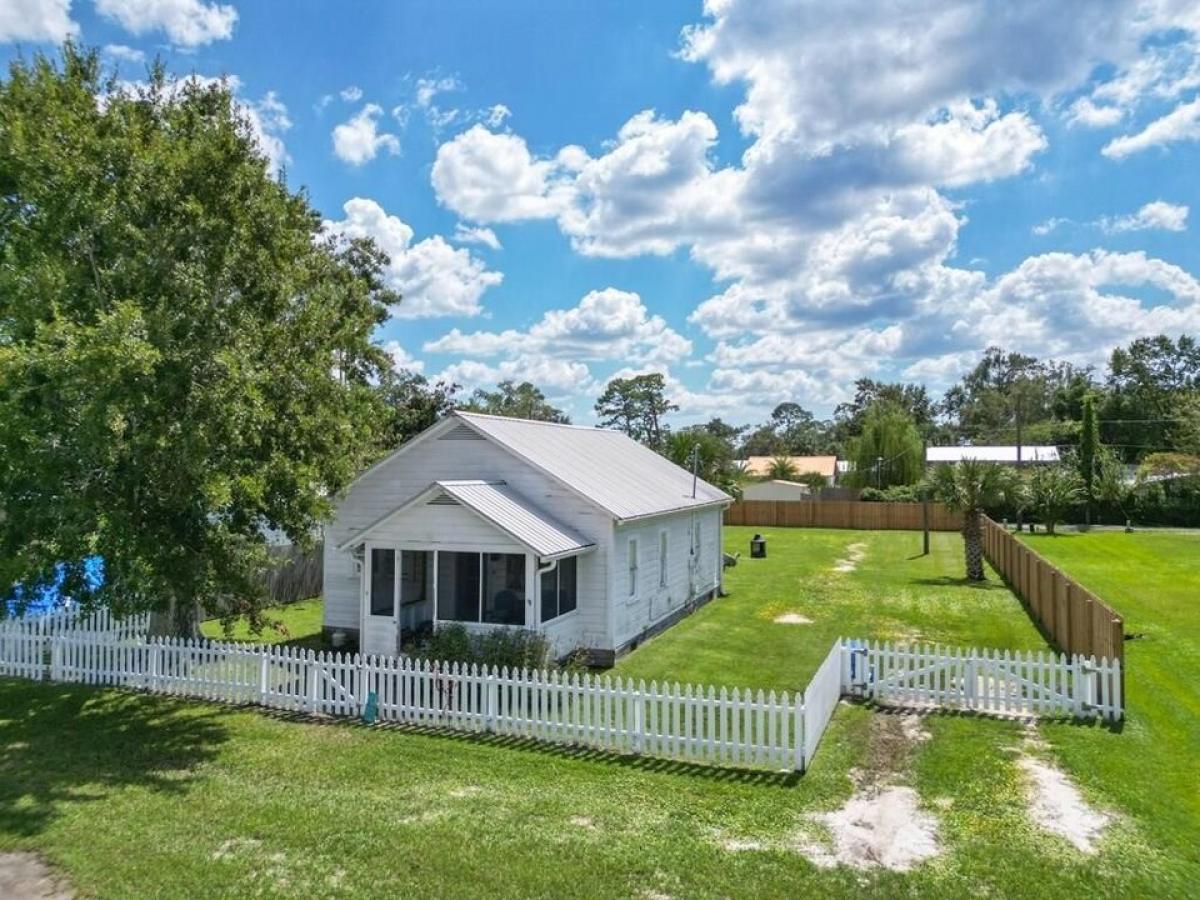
x=1076, y=620
x=989, y=681
x=295, y=574
x=842, y=514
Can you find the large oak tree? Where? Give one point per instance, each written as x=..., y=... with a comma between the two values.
x=185, y=358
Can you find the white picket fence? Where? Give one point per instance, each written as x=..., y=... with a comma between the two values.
x=25, y=641
x=716, y=725
x=703, y=724
x=988, y=681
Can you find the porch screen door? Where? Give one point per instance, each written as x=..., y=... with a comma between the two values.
x=381, y=625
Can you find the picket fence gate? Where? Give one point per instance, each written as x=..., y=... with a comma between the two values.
x=988, y=681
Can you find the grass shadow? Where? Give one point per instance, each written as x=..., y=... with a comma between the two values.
x=725, y=773
x=950, y=581
x=947, y=712
x=63, y=744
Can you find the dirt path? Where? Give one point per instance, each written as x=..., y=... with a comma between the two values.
x=24, y=876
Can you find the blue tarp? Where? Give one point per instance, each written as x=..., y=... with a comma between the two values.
x=50, y=597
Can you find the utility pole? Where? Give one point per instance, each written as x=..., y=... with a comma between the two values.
x=879, y=473
x=925, y=496
x=1019, y=410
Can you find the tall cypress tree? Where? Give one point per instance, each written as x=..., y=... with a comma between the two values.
x=1089, y=448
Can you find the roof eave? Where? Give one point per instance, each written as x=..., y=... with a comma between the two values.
x=691, y=507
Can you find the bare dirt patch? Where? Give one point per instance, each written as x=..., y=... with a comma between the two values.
x=583, y=822
x=878, y=827
x=882, y=824
x=1058, y=807
x=792, y=619
x=25, y=876
x=854, y=555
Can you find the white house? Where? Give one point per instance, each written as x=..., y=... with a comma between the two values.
x=580, y=533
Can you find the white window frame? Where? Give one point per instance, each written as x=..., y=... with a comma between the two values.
x=632, y=562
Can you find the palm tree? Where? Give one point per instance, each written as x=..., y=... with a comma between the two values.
x=1053, y=491
x=782, y=467
x=970, y=487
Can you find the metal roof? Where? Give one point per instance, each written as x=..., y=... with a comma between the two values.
x=999, y=454
x=615, y=472
x=500, y=505
x=517, y=517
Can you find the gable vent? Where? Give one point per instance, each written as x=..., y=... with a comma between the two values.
x=442, y=500
x=461, y=433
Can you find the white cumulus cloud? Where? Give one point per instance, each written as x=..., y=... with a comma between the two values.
x=433, y=278
x=359, y=140
x=37, y=20
x=1157, y=214
x=187, y=23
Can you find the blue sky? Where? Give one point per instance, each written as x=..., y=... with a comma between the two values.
x=762, y=200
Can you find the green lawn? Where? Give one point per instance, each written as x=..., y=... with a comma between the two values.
x=893, y=593
x=1153, y=580
x=296, y=623
x=132, y=795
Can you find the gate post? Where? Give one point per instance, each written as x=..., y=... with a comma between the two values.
x=490, y=691
x=798, y=732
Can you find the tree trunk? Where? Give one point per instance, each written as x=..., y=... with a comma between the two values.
x=177, y=620
x=972, y=533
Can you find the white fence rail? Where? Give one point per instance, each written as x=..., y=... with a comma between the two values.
x=752, y=728
x=990, y=681
x=821, y=699
x=697, y=723
x=25, y=641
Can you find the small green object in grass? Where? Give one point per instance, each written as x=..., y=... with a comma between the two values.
x=370, y=709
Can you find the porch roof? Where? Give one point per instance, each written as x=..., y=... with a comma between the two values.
x=502, y=507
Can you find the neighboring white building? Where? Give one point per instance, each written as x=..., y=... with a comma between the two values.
x=580, y=533
x=778, y=489
x=1030, y=453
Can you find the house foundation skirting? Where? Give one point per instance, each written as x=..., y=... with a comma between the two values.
x=605, y=658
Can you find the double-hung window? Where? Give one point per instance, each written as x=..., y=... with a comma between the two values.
x=633, y=567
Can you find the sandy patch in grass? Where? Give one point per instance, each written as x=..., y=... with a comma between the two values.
x=877, y=827
x=854, y=555
x=792, y=619
x=914, y=729
x=583, y=822
x=882, y=824
x=24, y=876
x=1058, y=807
x=469, y=790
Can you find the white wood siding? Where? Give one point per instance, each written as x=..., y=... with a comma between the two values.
x=653, y=601
x=385, y=488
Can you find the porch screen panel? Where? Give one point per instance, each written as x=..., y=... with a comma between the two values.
x=416, y=587
x=504, y=589
x=566, y=585
x=458, y=586
x=558, y=589
x=383, y=582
